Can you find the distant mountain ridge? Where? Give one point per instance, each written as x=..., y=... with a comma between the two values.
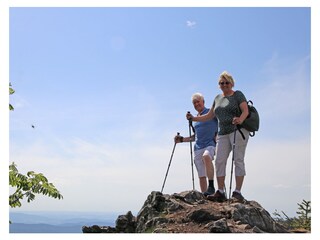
x=57, y=222
x=43, y=228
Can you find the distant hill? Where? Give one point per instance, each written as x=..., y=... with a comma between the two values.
x=43, y=228
x=57, y=222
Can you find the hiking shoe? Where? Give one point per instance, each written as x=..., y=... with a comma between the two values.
x=237, y=196
x=209, y=191
x=217, y=197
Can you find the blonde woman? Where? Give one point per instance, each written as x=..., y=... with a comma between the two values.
x=231, y=109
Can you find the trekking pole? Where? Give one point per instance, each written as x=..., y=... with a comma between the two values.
x=165, y=178
x=191, y=126
x=233, y=147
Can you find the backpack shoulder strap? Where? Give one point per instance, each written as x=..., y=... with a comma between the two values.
x=239, y=129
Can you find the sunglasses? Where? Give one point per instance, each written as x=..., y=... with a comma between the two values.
x=224, y=83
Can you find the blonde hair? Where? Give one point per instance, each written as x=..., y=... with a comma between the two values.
x=197, y=96
x=227, y=76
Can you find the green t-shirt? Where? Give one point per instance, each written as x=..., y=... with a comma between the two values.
x=226, y=108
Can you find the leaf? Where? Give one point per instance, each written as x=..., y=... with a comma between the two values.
x=11, y=91
x=29, y=185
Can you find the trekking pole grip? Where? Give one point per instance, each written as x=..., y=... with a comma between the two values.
x=190, y=124
x=190, y=120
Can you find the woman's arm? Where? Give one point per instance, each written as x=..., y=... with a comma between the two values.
x=244, y=113
x=205, y=117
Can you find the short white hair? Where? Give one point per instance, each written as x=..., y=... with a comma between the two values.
x=197, y=96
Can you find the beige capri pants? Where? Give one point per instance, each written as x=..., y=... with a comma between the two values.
x=198, y=159
x=224, y=147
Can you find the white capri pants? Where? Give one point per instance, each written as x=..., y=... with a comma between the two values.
x=224, y=147
x=198, y=159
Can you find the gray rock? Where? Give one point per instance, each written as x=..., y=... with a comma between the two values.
x=126, y=223
x=201, y=216
x=190, y=212
x=219, y=226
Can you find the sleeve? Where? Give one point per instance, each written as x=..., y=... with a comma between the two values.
x=241, y=97
x=214, y=102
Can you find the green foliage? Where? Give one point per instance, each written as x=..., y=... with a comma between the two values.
x=28, y=186
x=302, y=221
x=11, y=91
x=304, y=214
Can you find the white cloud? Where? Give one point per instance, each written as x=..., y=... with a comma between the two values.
x=94, y=175
x=191, y=24
x=281, y=93
x=119, y=168
x=18, y=101
x=284, y=88
x=281, y=186
x=118, y=178
x=278, y=173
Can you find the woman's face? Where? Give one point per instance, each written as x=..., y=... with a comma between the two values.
x=225, y=85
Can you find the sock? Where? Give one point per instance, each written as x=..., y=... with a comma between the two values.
x=211, y=183
x=237, y=191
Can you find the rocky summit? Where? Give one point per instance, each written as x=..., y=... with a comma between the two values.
x=191, y=212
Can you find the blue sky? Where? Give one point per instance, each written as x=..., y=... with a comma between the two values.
x=108, y=88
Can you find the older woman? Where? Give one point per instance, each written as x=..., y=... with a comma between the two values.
x=231, y=109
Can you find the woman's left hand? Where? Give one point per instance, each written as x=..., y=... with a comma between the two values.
x=236, y=121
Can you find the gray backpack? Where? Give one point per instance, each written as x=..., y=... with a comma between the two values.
x=252, y=121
